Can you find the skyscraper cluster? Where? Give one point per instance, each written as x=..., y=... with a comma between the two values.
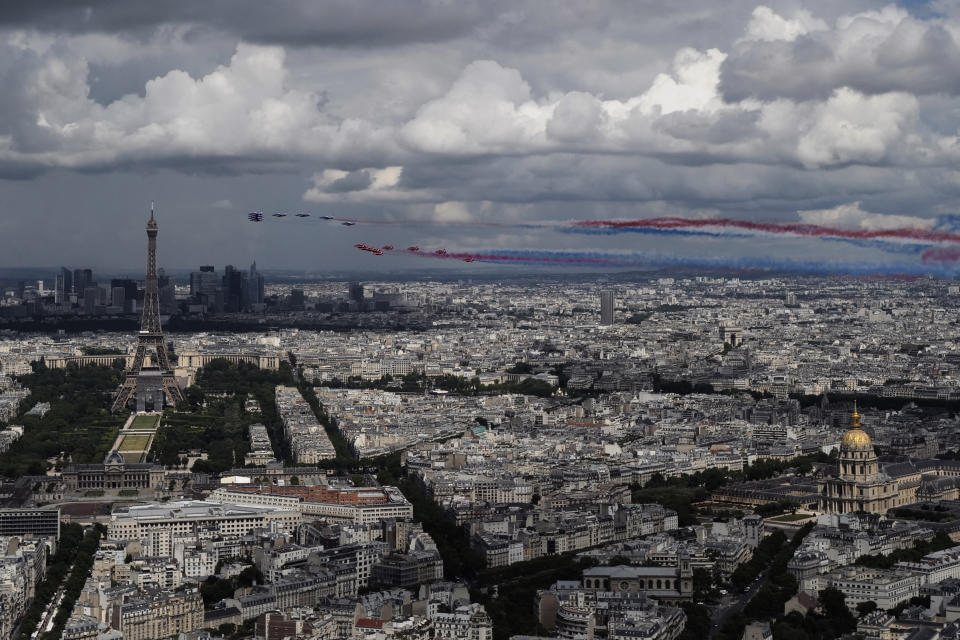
x=235, y=291
x=74, y=285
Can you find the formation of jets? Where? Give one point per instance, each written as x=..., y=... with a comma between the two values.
x=374, y=250
x=257, y=216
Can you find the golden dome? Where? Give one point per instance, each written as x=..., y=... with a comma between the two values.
x=856, y=438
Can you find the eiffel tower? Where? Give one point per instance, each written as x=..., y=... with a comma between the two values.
x=151, y=333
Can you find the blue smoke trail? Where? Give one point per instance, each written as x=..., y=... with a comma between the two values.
x=947, y=222
x=882, y=245
x=657, y=259
x=913, y=249
x=654, y=231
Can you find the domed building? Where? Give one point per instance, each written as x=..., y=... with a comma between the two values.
x=860, y=484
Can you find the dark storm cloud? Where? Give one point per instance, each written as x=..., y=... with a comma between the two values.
x=727, y=127
x=291, y=22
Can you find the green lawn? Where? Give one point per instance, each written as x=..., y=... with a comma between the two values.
x=145, y=422
x=134, y=443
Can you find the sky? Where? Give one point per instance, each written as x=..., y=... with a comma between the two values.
x=436, y=114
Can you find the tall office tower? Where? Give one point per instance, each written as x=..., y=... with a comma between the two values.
x=150, y=336
x=255, y=285
x=129, y=293
x=168, y=293
x=297, y=300
x=91, y=299
x=203, y=282
x=608, y=305
x=118, y=298
x=64, y=286
x=356, y=292
x=82, y=278
x=235, y=294
x=205, y=287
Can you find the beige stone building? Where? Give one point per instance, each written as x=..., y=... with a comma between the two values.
x=159, y=614
x=860, y=484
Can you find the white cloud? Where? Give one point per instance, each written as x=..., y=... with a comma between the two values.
x=363, y=185
x=851, y=216
x=223, y=203
x=692, y=87
x=240, y=110
x=852, y=127
x=765, y=25
x=488, y=109
x=451, y=211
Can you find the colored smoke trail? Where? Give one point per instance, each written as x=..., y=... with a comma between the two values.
x=593, y=231
x=658, y=259
x=910, y=248
x=946, y=229
x=882, y=245
x=516, y=257
x=784, y=228
x=941, y=254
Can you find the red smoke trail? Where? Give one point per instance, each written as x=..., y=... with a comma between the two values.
x=791, y=228
x=509, y=257
x=941, y=254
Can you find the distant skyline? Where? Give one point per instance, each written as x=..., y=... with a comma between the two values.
x=431, y=110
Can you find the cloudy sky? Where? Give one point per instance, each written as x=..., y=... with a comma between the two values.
x=454, y=110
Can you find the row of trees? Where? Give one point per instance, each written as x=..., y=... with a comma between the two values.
x=79, y=420
x=78, y=577
x=512, y=611
x=212, y=417
x=680, y=493
x=214, y=589
x=939, y=542
x=516, y=585
x=220, y=430
x=770, y=559
x=834, y=618
x=58, y=565
x=345, y=454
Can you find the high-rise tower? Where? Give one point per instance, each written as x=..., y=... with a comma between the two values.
x=151, y=333
x=608, y=305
